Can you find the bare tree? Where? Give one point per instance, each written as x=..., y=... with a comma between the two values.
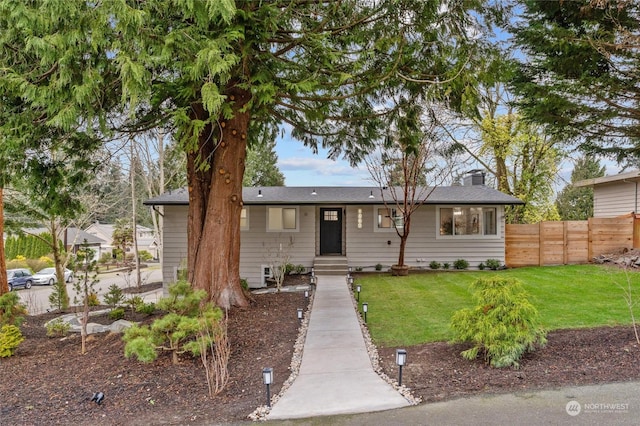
x=407, y=167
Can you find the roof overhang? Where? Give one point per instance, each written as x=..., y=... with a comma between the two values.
x=633, y=176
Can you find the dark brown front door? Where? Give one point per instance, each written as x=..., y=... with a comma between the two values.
x=330, y=231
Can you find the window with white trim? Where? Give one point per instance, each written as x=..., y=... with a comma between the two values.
x=282, y=219
x=244, y=219
x=386, y=218
x=467, y=221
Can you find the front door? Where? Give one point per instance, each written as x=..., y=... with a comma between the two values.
x=330, y=231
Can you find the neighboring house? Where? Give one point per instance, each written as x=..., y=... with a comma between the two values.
x=146, y=240
x=348, y=226
x=615, y=195
x=73, y=239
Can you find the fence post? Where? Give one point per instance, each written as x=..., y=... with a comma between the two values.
x=540, y=244
x=590, y=241
x=565, y=242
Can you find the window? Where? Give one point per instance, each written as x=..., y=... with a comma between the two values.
x=244, y=219
x=282, y=219
x=330, y=216
x=468, y=221
x=386, y=218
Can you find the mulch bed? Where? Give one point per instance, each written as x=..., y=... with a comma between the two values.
x=49, y=382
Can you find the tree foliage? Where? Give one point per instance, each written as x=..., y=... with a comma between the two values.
x=210, y=69
x=576, y=203
x=261, y=165
x=578, y=75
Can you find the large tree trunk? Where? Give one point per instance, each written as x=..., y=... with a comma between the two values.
x=215, y=204
x=4, y=285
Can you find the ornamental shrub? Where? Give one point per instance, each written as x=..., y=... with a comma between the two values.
x=493, y=264
x=434, y=264
x=503, y=325
x=58, y=328
x=10, y=339
x=11, y=310
x=460, y=264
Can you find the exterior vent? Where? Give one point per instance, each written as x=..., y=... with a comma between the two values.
x=474, y=177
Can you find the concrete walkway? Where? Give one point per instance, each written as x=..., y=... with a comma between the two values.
x=336, y=376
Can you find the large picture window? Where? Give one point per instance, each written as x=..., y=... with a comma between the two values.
x=470, y=221
x=282, y=219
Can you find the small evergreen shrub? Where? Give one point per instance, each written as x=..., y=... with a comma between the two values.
x=378, y=266
x=300, y=269
x=114, y=296
x=145, y=256
x=134, y=302
x=116, y=314
x=358, y=268
x=92, y=299
x=493, y=264
x=11, y=310
x=146, y=308
x=58, y=328
x=460, y=264
x=446, y=265
x=481, y=266
x=10, y=339
x=503, y=325
x=244, y=284
x=434, y=264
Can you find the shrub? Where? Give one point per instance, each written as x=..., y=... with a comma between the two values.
x=446, y=265
x=116, y=314
x=503, y=324
x=481, y=266
x=37, y=264
x=244, y=284
x=10, y=339
x=113, y=297
x=92, y=299
x=378, y=266
x=58, y=328
x=289, y=268
x=434, y=264
x=146, y=308
x=493, y=264
x=183, y=323
x=11, y=310
x=460, y=264
x=134, y=302
x=145, y=256
x=300, y=269
x=18, y=264
x=358, y=268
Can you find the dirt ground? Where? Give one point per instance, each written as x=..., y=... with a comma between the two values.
x=49, y=382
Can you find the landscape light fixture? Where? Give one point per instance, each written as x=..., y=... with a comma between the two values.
x=313, y=282
x=267, y=379
x=350, y=281
x=358, y=288
x=313, y=271
x=306, y=294
x=401, y=359
x=350, y=269
x=365, y=309
x=300, y=315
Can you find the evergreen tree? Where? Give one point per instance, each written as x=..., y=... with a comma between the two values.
x=261, y=165
x=576, y=203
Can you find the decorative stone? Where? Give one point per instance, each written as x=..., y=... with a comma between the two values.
x=119, y=326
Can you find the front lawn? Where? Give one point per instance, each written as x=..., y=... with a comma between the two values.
x=405, y=311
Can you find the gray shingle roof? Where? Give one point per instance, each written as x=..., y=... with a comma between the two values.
x=471, y=194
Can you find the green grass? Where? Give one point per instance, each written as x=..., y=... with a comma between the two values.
x=417, y=309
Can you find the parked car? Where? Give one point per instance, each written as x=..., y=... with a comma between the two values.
x=19, y=278
x=47, y=276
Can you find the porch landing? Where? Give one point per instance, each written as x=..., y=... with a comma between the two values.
x=331, y=265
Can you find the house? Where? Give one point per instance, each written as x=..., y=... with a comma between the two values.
x=146, y=239
x=73, y=239
x=615, y=195
x=338, y=227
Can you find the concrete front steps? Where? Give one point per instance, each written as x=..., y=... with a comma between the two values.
x=331, y=265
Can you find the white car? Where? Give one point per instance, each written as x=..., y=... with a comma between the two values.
x=48, y=276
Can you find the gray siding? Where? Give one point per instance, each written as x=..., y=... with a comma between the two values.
x=366, y=246
x=615, y=199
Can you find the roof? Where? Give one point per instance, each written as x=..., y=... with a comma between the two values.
x=74, y=235
x=471, y=194
x=633, y=176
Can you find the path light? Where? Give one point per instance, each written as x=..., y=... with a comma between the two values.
x=267, y=379
x=313, y=282
x=358, y=288
x=351, y=281
x=401, y=359
x=365, y=309
x=300, y=314
x=313, y=272
x=306, y=294
x=350, y=269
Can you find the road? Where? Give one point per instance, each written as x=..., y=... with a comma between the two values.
x=37, y=297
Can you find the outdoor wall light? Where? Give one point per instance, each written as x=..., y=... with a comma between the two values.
x=259, y=193
x=365, y=309
x=371, y=195
x=300, y=314
x=401, y=359
x=358, y=288
x=267, y=379
x=314, y=192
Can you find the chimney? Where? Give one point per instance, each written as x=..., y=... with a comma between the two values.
x=474, y=177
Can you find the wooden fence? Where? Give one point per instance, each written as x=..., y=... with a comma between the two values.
x=561, y=243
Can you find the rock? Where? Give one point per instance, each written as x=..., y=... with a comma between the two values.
x=119, y=326
x=92, y=328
